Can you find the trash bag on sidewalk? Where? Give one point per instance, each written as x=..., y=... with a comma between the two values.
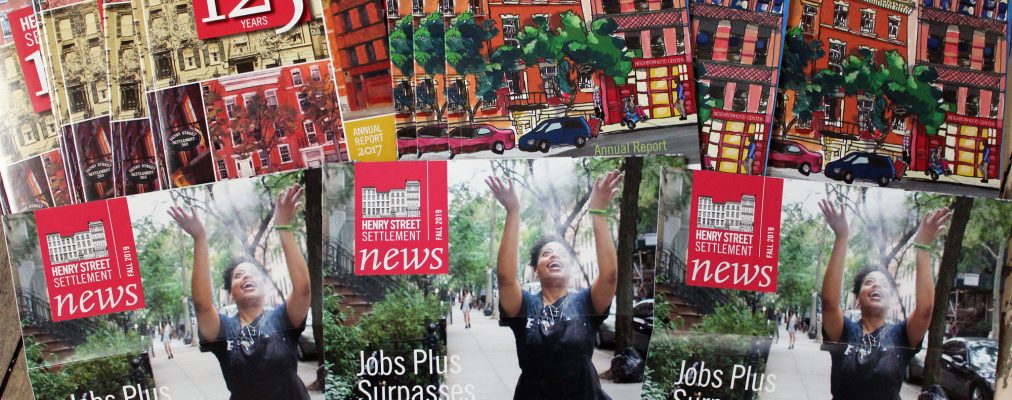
x=933, y=392
x=627, y=366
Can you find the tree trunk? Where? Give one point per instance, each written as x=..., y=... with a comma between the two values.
x=626, y=246
x=996, y=291
x=946, y=275
x=1003, y=380
x=314, y=247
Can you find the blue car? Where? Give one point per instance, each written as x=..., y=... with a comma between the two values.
x=862, y=166
x=554, y=132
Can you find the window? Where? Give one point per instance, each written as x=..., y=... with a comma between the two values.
x=516, y=82
x=329, y=135
x=894, y=27
x=899, y=123
x=762, y=46
x=416, y=6
x=303, y=101
x=213, y=55
x=950, y=95
x=809, y=17
x=314, y=73
x=363, y=15
x=265, y=158
x=446, y=7
x=189, y=62
x=272, y=98
x=864, y=109
x=297, y=77
x=585, y=80
x=6, y=26
x=641, y=5
x=370, y=52
x=972, y=103
x=130, y=96
x=230, y=107
x=836, y=51
x=346, y=19
x=612, y=6
x=286, y=156
x=90, y=24
x=126, y=25
x=352, y=56
x=216, y=144
x=632, y=41
x=222, y=170
x=840, y=15
x=936, y=44
x=310, y=130
x=392, y=8
x=868, y=21
x=704, y=41
x=236, y=137
x=989, y=53
x=657, y=43
x=966, y=7
x=740, y=102
x=510, y=26
x=279, y=130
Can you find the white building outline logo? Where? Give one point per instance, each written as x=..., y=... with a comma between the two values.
x=736, y=216
x=403, y=202
x=78, y=246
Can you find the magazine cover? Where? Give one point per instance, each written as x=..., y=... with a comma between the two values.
x=493, y=79
x=897, y=93
x=787, y=289
x=203, y=292
x=738, y=46
x=479, y=279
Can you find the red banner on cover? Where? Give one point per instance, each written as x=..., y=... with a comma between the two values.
x=402, y=224
x=89, y=259
x=24, y=28
x=734, y=235
x=216, y=18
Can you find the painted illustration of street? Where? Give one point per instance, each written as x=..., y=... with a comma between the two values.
x=533, y=78
x=895, y=93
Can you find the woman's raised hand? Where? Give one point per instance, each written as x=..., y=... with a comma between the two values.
x=288, y=202
x=188, y=222
x=504, y=193
x=836, y=219
x=605, y=189
x=933, y=224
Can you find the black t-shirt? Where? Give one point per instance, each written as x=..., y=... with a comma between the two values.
x=259, y=361
x=555, y=346
x=872, y=366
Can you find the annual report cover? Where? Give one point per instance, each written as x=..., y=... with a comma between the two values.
x=896, y=93
x=205, y=291
x=788, y=289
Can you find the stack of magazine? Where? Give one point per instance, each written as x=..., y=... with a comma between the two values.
x=493, y=199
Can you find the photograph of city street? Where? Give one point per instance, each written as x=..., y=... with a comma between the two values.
x=914, y=89
x=880, y=293
x=527, y=78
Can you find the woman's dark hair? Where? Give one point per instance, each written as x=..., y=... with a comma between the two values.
x=859, y=278
x=541, y=242
x=226, y=275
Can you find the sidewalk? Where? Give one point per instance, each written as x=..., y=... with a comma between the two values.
x=195, y=375
x=651, y=123
x=488, y=360
x=803, y=372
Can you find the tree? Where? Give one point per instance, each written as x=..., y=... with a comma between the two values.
x=259, y=124
x=951, y=253
x=572, y=50
x=629, y=213
x=402, y=56
x=466, y=53
x=799, y=54
x=320, y=105
x=430, y=55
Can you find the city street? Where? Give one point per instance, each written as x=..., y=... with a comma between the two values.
x=648, y=138
x=195, y=375
x=488, y=360
x=803, y=372
x=913, y=181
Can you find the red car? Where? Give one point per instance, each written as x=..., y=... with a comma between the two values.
x=407, y=141
x=480, y=137
x=789, y=154
x=432, y=139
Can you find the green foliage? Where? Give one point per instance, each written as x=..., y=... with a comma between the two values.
x=720, y=352
x=401, y=317
x=429, y=44
x=402, y=51
x=466, y=40
x=706, y=103
x=337, y=387
x=894, y=85
x=800, y=238
x=734, y=319
x=343, y=343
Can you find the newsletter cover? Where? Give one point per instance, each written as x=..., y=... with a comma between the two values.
x=188, y=293
x=737, y=53
x=788, y=289
x=509, y=79
x=897, y=93
x=481, y=279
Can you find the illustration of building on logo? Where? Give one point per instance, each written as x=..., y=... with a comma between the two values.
x=394, y=203
x=729, y=215
x=82, y=245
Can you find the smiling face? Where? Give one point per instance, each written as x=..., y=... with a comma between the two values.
x=554, y=262
x=246, y=284
x=876, y=294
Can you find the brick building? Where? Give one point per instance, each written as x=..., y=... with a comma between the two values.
x=738, y=42
x=249, y=151
x=358, y=37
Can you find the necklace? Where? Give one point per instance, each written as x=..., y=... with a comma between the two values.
x=250, y=332
x=550, y=314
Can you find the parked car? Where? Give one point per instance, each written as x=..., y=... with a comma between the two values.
x=790, y=154
x=863, y=167
x=643, y=326
x=307, y=343
x=968, y=367
x=407, y=141
x=553, y=132
x=480, y=137
x=432, y=139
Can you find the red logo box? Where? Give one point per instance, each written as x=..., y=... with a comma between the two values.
x=89, y=259
x=24, y=29
x=216, y=18
x=734, y=235
x=401, y=227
